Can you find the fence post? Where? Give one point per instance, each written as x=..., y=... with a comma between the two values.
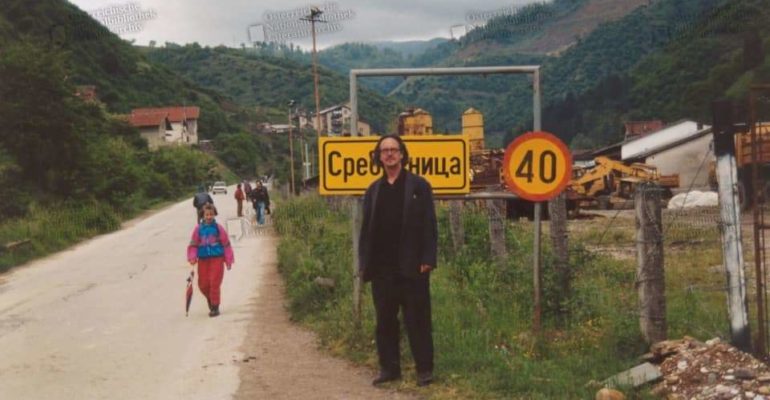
x=730, y=211
x=456, y=224
x=497, y=230
x=356, y=221
x=650, y=276
x=557, y=209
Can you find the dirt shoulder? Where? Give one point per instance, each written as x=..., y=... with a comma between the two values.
x=282, y=360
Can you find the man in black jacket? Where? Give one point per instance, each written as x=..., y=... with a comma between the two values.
x=199, y=200
x=397, y=249
x=261, y=201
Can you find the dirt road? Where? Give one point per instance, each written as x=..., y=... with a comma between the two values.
x=105, y=320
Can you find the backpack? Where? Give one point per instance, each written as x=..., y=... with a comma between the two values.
x=211, y=250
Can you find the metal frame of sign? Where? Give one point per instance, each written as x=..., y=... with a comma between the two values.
x=536, y=110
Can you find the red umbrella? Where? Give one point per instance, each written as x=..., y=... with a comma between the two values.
x=189, y=293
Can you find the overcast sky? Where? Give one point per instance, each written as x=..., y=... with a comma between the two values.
x=232, y=22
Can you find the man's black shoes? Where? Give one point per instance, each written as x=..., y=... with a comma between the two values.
x=385, y=377
x=424, y=378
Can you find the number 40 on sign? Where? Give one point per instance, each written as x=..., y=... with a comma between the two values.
x=537, y=166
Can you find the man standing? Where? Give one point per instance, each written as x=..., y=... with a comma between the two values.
x=199, y=200
x=239, y=199
x=261, y=200
x=397, y=249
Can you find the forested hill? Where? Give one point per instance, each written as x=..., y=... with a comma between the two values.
x=715, y=53
x=60, y=152
x=409, y=48
x=123, y=77
x=255, y=79
x=612, y=49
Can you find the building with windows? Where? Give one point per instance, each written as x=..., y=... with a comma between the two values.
x=335, y=121
x=167, y=126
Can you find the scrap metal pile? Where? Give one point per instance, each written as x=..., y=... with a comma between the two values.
x=712, y=370
x=485, y=169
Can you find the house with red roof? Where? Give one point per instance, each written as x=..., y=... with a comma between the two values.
x=167, y=126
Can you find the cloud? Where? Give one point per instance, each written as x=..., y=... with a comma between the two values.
x=227, y=22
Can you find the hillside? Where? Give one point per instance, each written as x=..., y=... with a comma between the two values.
x=409, y=48
x=548, y=31
x=612, y=49
x=124, y=79
x=342, y=58
x=718, y=55
x=535, y=29
x=255, y=79
x=56, y=148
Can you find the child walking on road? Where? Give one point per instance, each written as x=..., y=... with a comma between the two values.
x=210, y=249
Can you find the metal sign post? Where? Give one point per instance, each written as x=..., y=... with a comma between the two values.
x=526, y=69
x=537, y=167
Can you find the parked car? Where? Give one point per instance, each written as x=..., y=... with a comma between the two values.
x=219, y=186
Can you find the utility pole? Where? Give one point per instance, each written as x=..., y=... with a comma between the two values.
x=306, y=163
x=315, y=13
x=291, y=150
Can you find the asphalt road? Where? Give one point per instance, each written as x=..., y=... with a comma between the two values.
x=105, y=319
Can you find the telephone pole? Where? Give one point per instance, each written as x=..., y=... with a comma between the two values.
x=314, y=16
x=291, y=149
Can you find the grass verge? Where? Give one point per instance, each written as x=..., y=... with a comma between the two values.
x=482, y=311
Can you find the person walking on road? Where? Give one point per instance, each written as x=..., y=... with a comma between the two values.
x=261, y=200
x=239, y=199
x=199, y=200
x=210, y=248
x=397, y=248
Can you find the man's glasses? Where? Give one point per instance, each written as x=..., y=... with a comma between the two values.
x=390, y=150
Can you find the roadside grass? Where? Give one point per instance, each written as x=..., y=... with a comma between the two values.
x=122, y=183
x=695, y=281
x=48, y=229
x=52, y=229
x=482, y=312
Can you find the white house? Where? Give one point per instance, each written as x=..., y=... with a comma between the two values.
x=167, y=126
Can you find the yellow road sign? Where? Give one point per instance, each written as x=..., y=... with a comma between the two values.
x=346, y=166
x=537, y=166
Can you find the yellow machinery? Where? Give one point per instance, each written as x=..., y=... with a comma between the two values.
x=473, y=127
x=745, y=162
x=613, y=178
x=415, y=121
x=743, y=145
x=609, y=178
x=486, y=164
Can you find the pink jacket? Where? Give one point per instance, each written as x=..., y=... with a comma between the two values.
x=195, y=241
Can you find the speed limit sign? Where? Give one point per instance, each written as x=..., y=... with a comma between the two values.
x=537, y=166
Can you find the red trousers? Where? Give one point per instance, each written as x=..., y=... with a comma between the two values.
x=210, y=274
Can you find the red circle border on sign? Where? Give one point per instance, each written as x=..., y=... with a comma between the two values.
x=507, y=160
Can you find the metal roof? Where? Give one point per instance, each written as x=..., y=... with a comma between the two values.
x=671, y=136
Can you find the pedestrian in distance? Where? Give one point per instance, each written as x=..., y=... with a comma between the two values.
x=397, y=249
x=261, y=202
x=199, y=200
x=239, y=199
x=210, y=248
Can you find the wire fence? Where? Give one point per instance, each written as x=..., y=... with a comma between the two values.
x=693, y=255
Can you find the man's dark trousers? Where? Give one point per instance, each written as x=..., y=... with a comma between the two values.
x=390, y=293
